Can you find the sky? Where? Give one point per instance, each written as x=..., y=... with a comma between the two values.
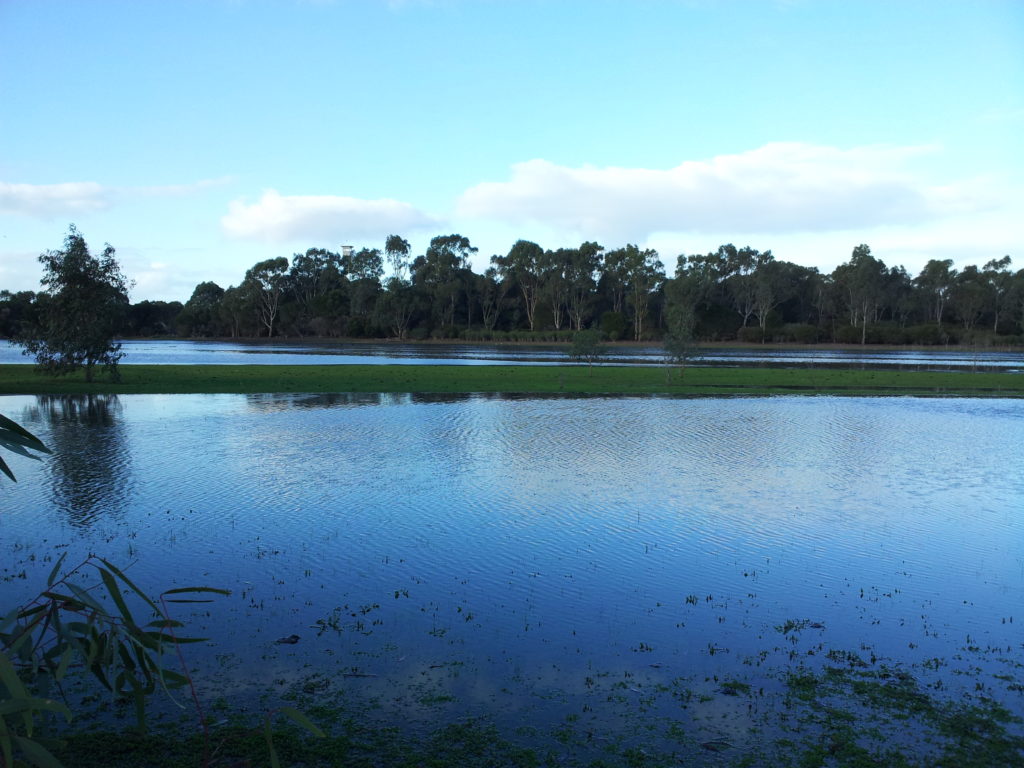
x=200, y=137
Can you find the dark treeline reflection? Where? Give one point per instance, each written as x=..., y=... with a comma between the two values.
x=89, y=471
x=269, y=402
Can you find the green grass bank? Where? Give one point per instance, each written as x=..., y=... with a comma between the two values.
x=626, y=380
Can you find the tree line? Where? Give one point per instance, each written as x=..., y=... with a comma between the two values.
x=537, y=294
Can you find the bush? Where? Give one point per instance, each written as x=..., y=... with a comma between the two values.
x=799, y=333
x=613, y=325
x=751, y=334
x=886, y=333
x=926, y=334
x=848, y=334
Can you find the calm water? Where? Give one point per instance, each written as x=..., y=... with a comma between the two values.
x=394, y=353
x=534, y=558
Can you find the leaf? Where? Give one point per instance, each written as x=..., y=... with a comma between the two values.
x=6, y=470
x=11, y=706
x=85, y=598
x=37, y=753
x=115, y=594
x=6, y=748
x=9, y=677
x=14, y=431
x=298, y=717
x=180, y=590
x=268, y=737
x=65, y=661
x=120, y=574
x=188, y=600
x=56, y=568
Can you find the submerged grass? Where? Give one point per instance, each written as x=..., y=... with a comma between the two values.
x=568, y=379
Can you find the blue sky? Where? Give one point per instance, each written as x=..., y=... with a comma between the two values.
x=201, y=137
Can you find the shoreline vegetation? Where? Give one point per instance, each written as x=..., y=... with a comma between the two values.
x=711, y=381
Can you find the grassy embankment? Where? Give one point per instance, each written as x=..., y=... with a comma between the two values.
x=708, y=381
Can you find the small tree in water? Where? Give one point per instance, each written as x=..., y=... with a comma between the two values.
x=587, y=346
x=81, y=308
x=680, y=343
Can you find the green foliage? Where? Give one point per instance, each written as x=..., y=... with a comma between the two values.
x=613, y=325
x=586, y=347
x=17, y=439
x=84, y=624
x=83, y=306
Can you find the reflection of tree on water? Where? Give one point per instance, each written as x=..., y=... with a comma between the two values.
x=88, y=470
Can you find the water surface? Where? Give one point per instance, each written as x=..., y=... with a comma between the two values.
x=533, y=558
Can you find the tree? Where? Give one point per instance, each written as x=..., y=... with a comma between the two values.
x=201, y=314
x=267, y=280
x=584, y=262
x=936, y=280
x=863, y=279
x=441, y=271
x=1000, y=280
x=82, y=307
x=397, y=250
x=523, y=265
x=644, y=274
x=586, y=347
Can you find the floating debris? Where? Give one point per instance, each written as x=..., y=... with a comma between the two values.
x=290, y=640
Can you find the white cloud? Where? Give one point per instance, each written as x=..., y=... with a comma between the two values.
x=284, y=218
x=48, y=200
x=777, y=188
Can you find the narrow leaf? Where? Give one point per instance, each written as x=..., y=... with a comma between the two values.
x=37, y=753
x=115, y=594
x=179, y=590
x=120, y=574
x=298, y=717
x=56, y=568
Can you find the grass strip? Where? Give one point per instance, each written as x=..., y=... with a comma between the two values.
x=626, y=380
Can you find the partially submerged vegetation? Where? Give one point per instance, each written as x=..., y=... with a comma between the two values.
x=628, y=380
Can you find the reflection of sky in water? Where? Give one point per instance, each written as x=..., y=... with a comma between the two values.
x=393, y=353
x=533, y=541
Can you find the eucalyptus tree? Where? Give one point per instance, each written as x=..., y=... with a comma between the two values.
x=614, y=277
x=644, y=274
x=999, y=279
x=397, y=250
x=555, y=283
x=396, y=306
x=741, y=266
x=969, y=296
x=583, y=263
x=492, y=291
x=266, y=281
x=771, y=288
x=861, y=281
x=81, y=308
x=523, y=265
x=936, y=284
x=441, y=271
x=363, y=268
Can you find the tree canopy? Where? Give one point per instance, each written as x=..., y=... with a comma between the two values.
x=82, y=307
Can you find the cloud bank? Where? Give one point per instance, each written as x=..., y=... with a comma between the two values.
x=45, y=201
x=777, y=188
x=280, y=218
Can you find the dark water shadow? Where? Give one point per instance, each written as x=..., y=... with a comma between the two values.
x=90, y=469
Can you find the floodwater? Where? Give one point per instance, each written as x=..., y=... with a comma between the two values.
x=533, y=560
x=189, y=352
